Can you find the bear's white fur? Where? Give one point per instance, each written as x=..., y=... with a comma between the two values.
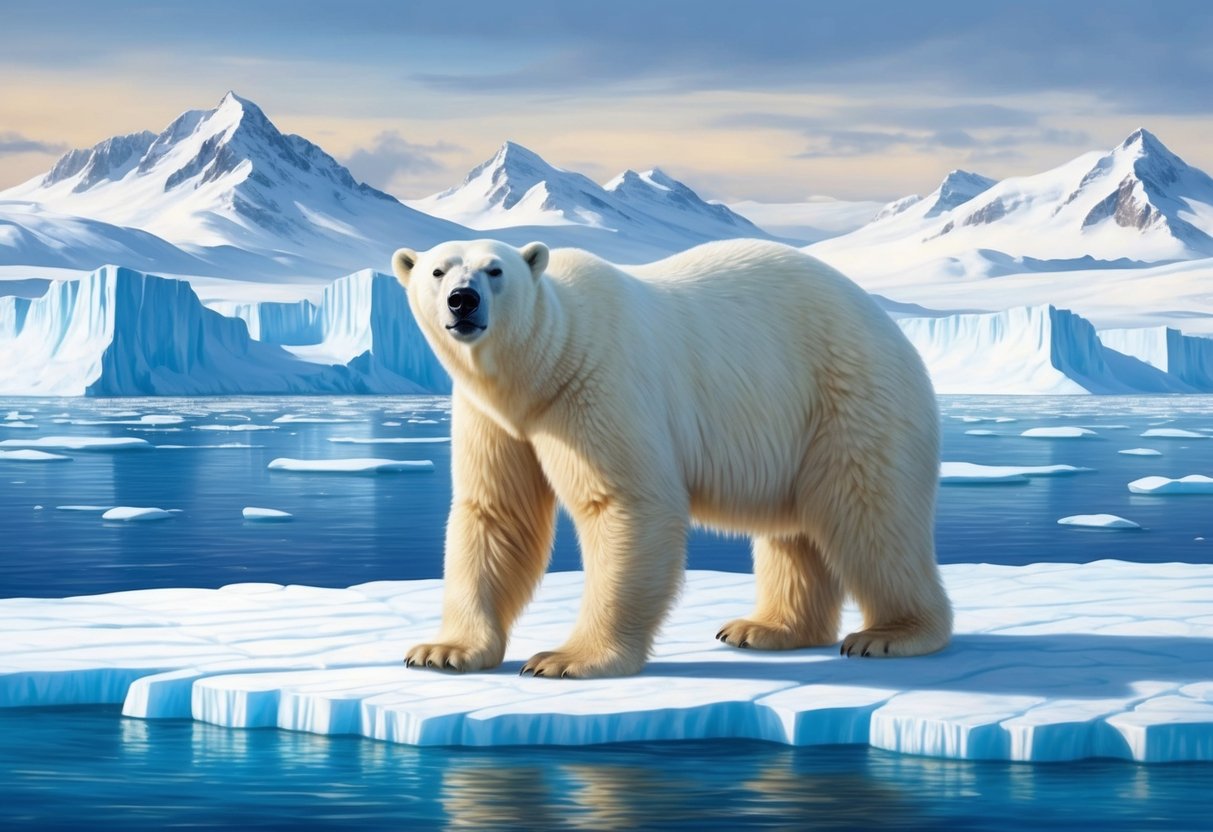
x=742, y=385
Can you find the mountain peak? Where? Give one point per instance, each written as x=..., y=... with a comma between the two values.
x=957, y=188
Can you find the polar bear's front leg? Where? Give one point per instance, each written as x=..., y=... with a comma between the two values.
x=634, y=553
x=498, y=541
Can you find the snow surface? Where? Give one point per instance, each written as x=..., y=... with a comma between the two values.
x=1049, y=662
x=1098, y=521
x=1191, y=484
x=136, y=513
x=265, y=515
x=368, y=465
x=958, y=473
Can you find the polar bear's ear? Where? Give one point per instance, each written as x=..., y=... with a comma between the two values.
x=402, y=264
x=536, y=256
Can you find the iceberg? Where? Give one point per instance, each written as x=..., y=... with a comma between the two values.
x=136, y=514
x=1029, y=350
x=1065, y=432
x=1191, y=484
x=1098, y=521
x=119, y=332
x=971, y=473
x=79, y=443
x=1049, y=662
x=1174, y=433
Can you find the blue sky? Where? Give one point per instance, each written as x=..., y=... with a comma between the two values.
x=770, y=100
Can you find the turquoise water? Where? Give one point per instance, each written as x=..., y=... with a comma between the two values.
x=90, y=768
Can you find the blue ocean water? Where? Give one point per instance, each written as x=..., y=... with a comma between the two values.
x=90, y=768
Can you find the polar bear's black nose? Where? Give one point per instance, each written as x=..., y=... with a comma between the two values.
x=463, y=302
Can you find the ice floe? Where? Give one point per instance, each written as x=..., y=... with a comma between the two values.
x=1191, y=484
x=79, y=443
x=958, y=473
x=1098, y=521
x=302, y=419
x=240, y=427
x=32, y=456
x=265, y=515
x=1049, y=662
x=137, y=513
x=980, y=432
x=1140, y=452
x=1174, y=433
x=361, y=465
x=90, y=509
x=389, y=440
x=1067, y=432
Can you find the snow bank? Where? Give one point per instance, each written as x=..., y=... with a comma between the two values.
x=1049, y=662
x=370, y=465
x=1191, y=484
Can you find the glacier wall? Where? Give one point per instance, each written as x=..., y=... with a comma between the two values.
x=1186, y=357
x=1030, y=350
x=119, y=332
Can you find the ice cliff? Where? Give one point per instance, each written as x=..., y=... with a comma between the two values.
x=120, y=332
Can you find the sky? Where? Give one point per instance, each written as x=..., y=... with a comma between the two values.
x=772, y=100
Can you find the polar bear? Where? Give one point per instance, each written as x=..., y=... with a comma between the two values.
x=740, y=385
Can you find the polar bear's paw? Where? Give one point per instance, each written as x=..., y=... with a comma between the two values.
x=579, y=664
x=898, y=639
x=446, y=656
x=759, y=635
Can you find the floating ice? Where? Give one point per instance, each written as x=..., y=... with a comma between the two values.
x=1174, y=433
x=973, y=473
x=79, y=443
x=32, y=456
x=17, y=416
x=298, y=419
x=1068, y=432
x=1049, y=662
x=152, y=419
x=369, y=465
x=1098, y=521
x=1140, y=452
x=240, y=427
x=980, y=432
x=136, y=513
x=1191, y=484
x=389, y=440
x=221, y=445
x=83, y=508
x=19, y=425
x=264, y=515
x=391, y=424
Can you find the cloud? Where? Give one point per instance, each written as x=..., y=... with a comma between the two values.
x=390, y=155
x=12, y=144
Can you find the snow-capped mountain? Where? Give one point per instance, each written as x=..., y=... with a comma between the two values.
x=1138, y=203
x=229, y=177
x=517, y=188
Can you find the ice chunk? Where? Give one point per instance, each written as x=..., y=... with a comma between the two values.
x=1098, y=521
x=79, y=443
x=32, y=456
x=1191, y=484
x=152, y=419
x=136, y=513
x=1068, y=432
x=1140, y=452
x=269, y=515
x=19, y=425
x=369, y=465
x=220, y=446
x=389, y=440
x=980, y=432
x=17, y=416
x=296, y=419
x=1049, y=661
x=973, y=473
x=1174, y=433
x=83, y=508
x=240, y=427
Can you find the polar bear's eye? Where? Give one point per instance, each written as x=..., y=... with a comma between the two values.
x=438, y=272
x=494, y=272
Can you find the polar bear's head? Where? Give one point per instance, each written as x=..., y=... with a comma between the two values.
x=465, y=291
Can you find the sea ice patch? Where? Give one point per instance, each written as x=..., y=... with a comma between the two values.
x=971, y=473
x=32, y=456
x=137, y=514
x=1191, y=484
x=360, y=465
x=1066, y=432
x=1140, y=452
x=240, y=427
x=389, y=440
x=79, y=443
x=980, y=432
x=1049, y=661
x=1173, y=433
x=1098, y=521
x=265, y=515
